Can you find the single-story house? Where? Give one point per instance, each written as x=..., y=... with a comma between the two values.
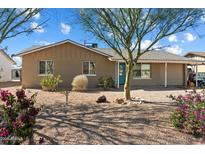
x=7, y=64
x=68, y=59
x=199, y=56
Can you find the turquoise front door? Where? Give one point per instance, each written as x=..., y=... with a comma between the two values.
x=122, y=73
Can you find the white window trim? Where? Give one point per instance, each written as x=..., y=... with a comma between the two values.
x=46, y=68
x=89, y=68
x=141, y=78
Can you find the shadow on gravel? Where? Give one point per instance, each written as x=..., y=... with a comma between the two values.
x=106, y=124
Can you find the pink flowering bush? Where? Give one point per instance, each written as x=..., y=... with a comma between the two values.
x=17, y=117
x=190, y=113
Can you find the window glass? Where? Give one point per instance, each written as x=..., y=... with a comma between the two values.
x=138, y=66
x=85, y=67
x=49, y=67
x=42, y=67
x=92, y=68
x=141, y=71
x=121, y=70
x=89, y=68
x=46, y=67
x=145, y=66
x=145, y=74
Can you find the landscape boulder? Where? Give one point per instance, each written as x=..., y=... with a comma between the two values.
x=102, y=99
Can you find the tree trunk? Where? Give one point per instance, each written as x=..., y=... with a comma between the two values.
x=129, y=67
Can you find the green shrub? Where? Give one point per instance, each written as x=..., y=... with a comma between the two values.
x=191, y=84
x=50, y=83
x=106, y=82
x=177, y=119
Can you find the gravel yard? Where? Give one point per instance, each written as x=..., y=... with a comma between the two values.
x=83, y=121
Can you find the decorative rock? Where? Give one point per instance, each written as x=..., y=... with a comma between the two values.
x=102, y=99
x=119, y=100
x=134, y=100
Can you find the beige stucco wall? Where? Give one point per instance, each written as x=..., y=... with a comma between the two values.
x=175, y=75
x=68, y=59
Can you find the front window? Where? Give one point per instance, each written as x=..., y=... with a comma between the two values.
x=46, y=67
x=89, y=68
x=141, y=71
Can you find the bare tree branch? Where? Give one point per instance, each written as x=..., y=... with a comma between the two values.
x=14, y=22
x=130, y=27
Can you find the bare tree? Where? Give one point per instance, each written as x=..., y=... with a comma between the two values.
x=17, y=21
x=124, y=30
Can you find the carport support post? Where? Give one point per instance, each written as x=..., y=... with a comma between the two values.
x=165, y=75
x=196, y=75
x=118, y=77
x=185, y=75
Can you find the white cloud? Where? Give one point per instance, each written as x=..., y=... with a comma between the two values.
x=146, y=43
x=19, y=10
x=172, y=38
x=189, y=37
x=39, y=29
x=65, y=28
x=174, y=49
x=43, y=42
x=110, y=34
x=203, y=18
x=37, y=16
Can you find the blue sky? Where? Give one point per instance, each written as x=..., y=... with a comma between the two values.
x=61, y=25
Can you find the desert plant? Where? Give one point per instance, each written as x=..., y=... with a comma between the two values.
x=18, y=115
x=106, y=82
x=80, y=83
x=50, y=82
x=191, y=84
x=190, y=113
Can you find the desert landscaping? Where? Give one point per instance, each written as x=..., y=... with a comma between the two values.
x=83, y=121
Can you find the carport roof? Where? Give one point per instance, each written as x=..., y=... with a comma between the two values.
x=201, y=54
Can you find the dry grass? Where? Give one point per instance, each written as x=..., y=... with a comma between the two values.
x=80, y=83
x=83, y=121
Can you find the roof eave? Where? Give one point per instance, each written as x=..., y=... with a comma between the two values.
x=163, y=61
x=59, y=43
x=193, y=53
x=8, y=57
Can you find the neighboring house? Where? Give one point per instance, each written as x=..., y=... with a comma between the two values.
x=6, y=66
x=199, y=56
x=68, y=59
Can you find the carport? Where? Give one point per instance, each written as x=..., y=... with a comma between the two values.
x=165, y=59
x=194, y=66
